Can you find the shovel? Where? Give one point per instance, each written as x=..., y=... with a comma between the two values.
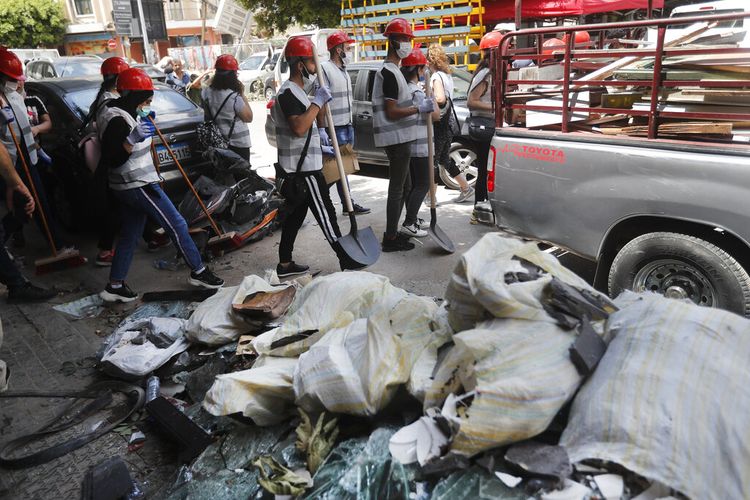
x=435, y=232
x=221, y=237
x=360, y=245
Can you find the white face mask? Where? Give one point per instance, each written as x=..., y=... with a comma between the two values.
x=11, y=87
x=403, y=49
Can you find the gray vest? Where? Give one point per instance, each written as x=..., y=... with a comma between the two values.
x=139, y=170
x=341, y=90
x=288, y=144
x=387, y=132
x=241, y=133
x=483, y=75
x=21, y=128
x=419, y=146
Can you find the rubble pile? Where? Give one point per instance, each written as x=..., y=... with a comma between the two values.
x=522, y=382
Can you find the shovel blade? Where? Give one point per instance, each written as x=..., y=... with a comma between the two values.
x=362, y=246
x=438, y=235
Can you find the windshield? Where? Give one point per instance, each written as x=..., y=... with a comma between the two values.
x=253, y=62
x=166, y=101
x=78, y=68
x=461, y=83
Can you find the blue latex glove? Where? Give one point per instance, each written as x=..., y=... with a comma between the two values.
x=6, y=115
x=42, y=154
x=322, y=96
x=327, y=150
x=427, y=105
x=140, y=133
x=324, y=139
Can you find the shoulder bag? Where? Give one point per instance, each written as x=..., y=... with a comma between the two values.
x=209, y=135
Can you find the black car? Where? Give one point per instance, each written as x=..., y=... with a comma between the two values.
x=68, y=102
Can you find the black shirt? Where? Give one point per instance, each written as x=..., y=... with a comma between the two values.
x=390, y=84
x=113, y=152
x=290, y=105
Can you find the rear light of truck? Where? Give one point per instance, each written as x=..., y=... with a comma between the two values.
x=270, y=103
x=491, y=169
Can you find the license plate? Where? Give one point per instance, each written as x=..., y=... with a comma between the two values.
x=180, y=149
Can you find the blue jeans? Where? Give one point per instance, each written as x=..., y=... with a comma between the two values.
x=139, y=204
x=344, y=135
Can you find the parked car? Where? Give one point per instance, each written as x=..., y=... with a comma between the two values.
x=68, y=102
x=255, y=69
x=725, y=32
x=363, y=79
x=44, y=68
x=155, y=73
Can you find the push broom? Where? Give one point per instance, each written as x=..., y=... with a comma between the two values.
x=222, y=240
x=58, y=261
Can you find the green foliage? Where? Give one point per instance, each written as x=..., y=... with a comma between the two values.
x=31, y=23
x=280, y=14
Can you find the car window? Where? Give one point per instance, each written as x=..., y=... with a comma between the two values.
x=253, y=62
x=68, y=67
x=32, y=70
x=47, y=70
x=165, y=101
x=353, y=77
x=370, y=83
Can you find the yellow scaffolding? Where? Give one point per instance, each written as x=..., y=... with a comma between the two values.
x=457, y=21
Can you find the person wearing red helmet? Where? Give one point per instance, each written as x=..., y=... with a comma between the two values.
x=394, y=120
x=125, y=131
x=482, y=111
x=413, y=68
x=225, y=104
x=338, y=80
x=301, y=158
x=13, y=114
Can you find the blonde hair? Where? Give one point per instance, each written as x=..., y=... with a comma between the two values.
x=437, y=57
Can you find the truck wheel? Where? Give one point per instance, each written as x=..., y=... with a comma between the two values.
x=682, y=267
x=269, y=93
x=465, y=159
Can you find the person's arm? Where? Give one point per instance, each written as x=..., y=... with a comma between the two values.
x=13, y=183
x=300, y=119
x=116, y=149
x=390, y=93
x=44, y=126
x=243, y=109
x=438, y=91
x=475, y=102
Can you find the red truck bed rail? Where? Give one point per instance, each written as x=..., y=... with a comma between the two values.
x=572, y=53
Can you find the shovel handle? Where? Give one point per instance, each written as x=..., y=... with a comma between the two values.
x=187, y=179
x=334, y=139
x=430, y=143
x=33, y=190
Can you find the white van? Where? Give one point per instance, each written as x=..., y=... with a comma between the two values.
x=736, y=31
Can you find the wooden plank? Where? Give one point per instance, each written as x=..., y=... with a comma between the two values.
x=716, y=92
x=685, y=128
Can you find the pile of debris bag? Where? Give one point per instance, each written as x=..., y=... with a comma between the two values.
x=523, y=381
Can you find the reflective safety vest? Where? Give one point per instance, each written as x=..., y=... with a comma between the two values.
x=341, y=90
x=288, y=144
x=240, y=134
x=139, y=169
x=419, y=146
x=483, y=75
x=21, y=128
x=101, y=104
x=387, y=132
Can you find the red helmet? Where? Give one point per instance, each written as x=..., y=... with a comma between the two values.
x=552, y=45
x=490, y=40
x=337, y=38
x=299, y=46
x=416, y=58
x=134, y=79
x=581, y=37
x=10, y=64
x=227, y=62
x=114, y=66
x=398, y=26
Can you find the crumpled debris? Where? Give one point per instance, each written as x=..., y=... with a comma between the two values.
x=419, y=442
x=316, y=442
x=90, y=306
x=538, y=459
x=277, y=479
x=569, y=304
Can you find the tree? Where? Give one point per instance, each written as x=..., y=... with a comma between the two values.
x=280, y=14
x=31, y=23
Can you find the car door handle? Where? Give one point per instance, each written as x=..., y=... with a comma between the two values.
x=364, y=116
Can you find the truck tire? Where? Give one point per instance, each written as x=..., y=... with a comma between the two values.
x=684, y=267
x=465, y=158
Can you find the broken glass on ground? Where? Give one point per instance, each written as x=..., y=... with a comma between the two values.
x=90, y=306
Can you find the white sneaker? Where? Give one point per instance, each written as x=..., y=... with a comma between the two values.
x=414, y=231
x=464, y=196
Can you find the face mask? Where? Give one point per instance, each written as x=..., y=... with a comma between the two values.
x=305, y=73
x=144, y=111
x=342, y=54
x=403, y=49
x=11, y=87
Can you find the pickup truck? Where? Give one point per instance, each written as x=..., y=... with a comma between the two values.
x=665, y=214
x=362, y=75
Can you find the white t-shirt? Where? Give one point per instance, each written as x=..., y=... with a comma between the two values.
x=447, y=82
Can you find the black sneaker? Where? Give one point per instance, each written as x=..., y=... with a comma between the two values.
x=398, y=244
x=358, y=210
x=121, y=294
x=28, y=292
x=205, y=279
x=291, y=269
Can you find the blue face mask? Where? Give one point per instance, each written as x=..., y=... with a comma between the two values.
x=144, y=111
